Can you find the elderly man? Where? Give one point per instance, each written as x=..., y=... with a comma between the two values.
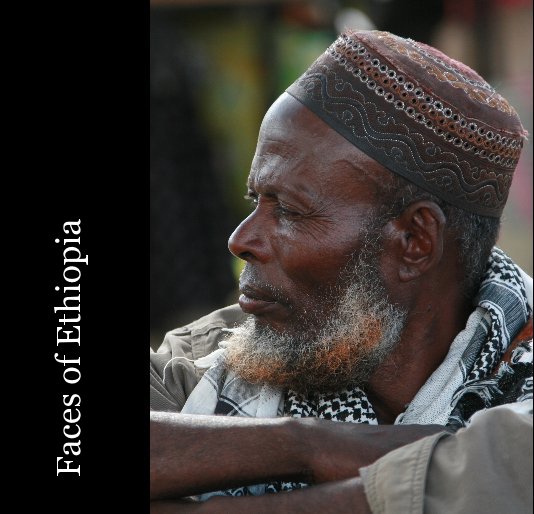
x=372, y=291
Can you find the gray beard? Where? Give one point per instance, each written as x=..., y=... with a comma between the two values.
x=344, y=351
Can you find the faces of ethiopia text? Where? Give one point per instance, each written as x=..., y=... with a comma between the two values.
x=313, y=194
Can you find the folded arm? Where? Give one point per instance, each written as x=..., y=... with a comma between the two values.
x=193, y=454
x=342, y=496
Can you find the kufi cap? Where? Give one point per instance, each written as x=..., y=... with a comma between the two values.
x=419, y=113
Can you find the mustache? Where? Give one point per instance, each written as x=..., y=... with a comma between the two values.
x=253, y=286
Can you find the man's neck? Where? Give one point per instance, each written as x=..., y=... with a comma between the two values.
x=424, y=344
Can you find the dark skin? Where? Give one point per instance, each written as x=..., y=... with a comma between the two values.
x=313, y=194
x=315, y=451
x=344, y=496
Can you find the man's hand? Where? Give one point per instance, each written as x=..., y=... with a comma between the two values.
x=338, y=450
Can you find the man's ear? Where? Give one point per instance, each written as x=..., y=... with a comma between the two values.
x=418, y=235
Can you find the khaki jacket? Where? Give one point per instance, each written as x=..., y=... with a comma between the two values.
x=172, y=373
x=484, y=468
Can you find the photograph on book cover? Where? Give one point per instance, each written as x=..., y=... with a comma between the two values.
x=382, y=155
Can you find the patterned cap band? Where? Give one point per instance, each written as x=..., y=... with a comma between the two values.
x=420, y=114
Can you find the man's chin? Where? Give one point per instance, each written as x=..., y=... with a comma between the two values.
x=268, y=324
x=262, y=356
x=321, y=349
x=303, y=381
x=286, y=328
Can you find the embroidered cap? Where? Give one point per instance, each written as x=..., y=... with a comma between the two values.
x=419, y=113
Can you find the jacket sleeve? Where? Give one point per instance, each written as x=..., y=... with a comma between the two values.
x=485, y=467
x=173, y=374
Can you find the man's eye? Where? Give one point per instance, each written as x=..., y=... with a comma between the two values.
x=252, y=199
x=286, y=212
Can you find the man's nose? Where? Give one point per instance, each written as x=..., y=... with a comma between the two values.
x=249, y=239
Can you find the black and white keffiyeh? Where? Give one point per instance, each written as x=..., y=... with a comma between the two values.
x=469, y=379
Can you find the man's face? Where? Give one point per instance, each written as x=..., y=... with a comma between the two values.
x=313, y=196
x=321, y=318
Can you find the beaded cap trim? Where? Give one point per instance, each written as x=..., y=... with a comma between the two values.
x=476, y=89
x=419, y=114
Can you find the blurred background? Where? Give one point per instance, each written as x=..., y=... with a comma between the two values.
x=215, y=68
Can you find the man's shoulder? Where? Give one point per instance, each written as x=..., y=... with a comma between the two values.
x=202, y=336
x=227, y=317
x=173, y=373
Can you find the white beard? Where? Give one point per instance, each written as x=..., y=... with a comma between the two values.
x=346, y=350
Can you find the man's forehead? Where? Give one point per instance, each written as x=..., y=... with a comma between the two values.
x=292, y=135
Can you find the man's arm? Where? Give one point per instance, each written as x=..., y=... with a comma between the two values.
x=342, y=497
x=192, y=454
